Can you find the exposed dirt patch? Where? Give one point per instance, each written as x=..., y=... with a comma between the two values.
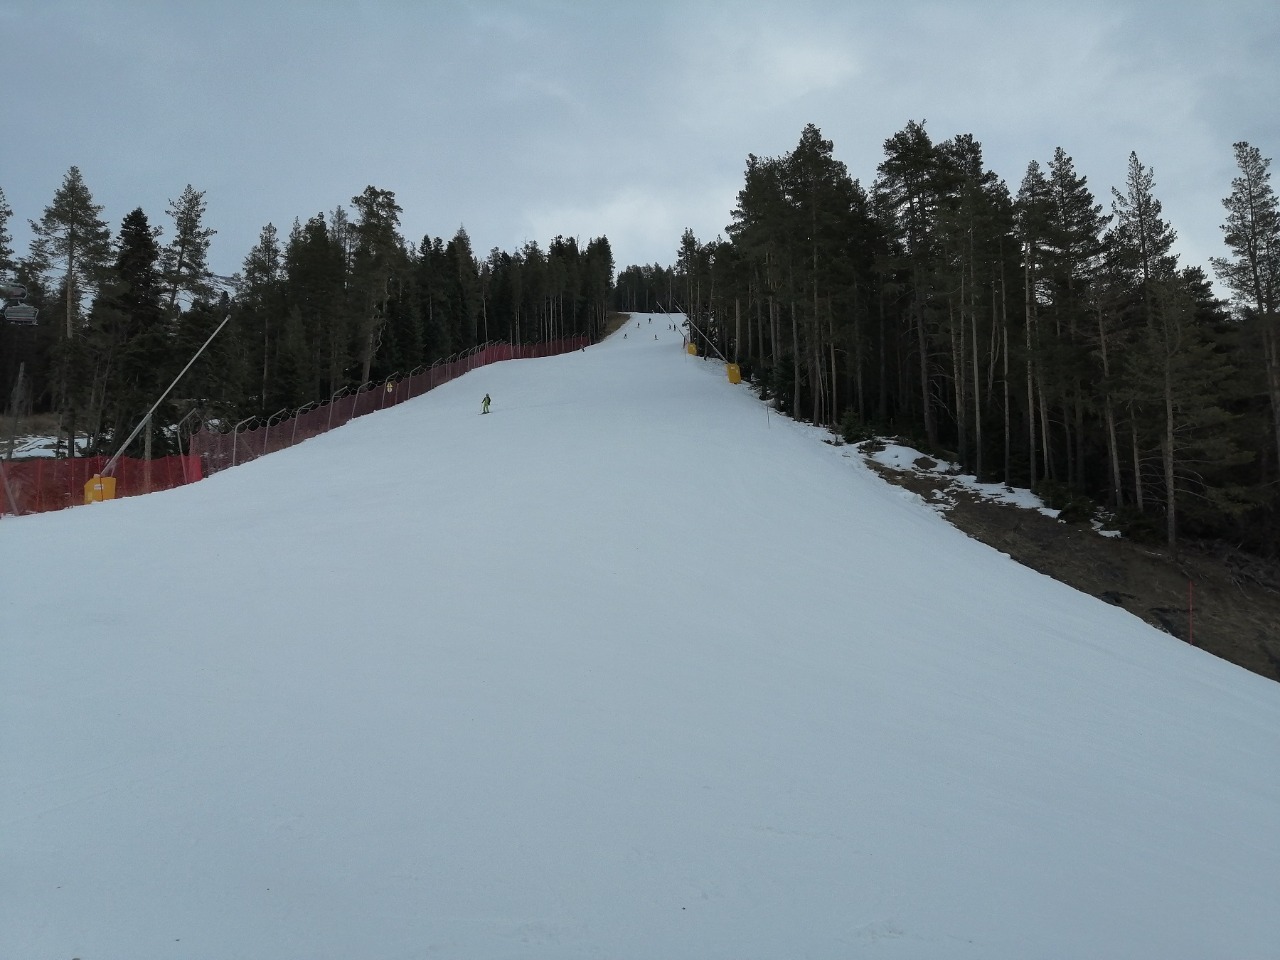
x=614, y=321
x=1223, y=601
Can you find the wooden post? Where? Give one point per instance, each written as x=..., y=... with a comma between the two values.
x=146, y=455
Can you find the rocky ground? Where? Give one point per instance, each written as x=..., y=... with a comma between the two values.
x=1223, y=601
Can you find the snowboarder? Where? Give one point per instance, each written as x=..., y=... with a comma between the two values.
x=484, y=404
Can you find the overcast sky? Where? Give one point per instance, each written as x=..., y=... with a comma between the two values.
x=526, y=119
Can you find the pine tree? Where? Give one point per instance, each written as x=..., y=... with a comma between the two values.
x=758, y=229
x=1072, y=259
x=1174, y=373
x=315, y=274
x=501, y=294
x=599, y=266
x=127, y=335
x=1252, y=273
x=1035, y=210
x=378, y=255
x=1185, y=376
x=184, y=261
x=907, y=186
x=7, y=263
x=260, y=316
x=824, y=201
x=462, y=291
x=73, y=234
x=1142, y=264
x=975, y=226
x=429, y=275
x=1144, y=240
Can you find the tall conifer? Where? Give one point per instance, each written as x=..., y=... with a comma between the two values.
x=184, y=261
x=1252, y=272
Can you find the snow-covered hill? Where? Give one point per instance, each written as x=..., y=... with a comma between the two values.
x=628, y=668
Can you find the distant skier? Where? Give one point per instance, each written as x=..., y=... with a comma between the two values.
x=484, y=404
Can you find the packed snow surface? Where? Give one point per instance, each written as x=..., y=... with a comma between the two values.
x=628, y=668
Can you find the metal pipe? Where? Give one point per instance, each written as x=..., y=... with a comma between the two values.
x=106, y=471
x=332, y=402
x=235, y=435
x=266, y=436
x=297, y=415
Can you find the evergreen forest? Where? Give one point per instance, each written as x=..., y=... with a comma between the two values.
x=1037, y=337
x=341, y=301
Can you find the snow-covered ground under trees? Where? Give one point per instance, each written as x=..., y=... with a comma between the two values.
x=629, y=668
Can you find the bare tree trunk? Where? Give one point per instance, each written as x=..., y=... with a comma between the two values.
x=759, y=328
x=831, y=346
x=266, y=356
x=1079, y=435
x=977, y=393
x=1008, y=414
x=819, y=388
x=818, y=378
x=1031, y=399
x=1113, y=452
x=922, y=342
x=737, y=327
x=1045, y=437
x=1271, y=359
x=835, y=387
x=795, y=362
x=1171, y=521
x=71, y=279
x=1113, y=445
x=1069, y=440
x=958, y=381
x=1137, y=463
x=65, y=386
x=882, y=401
x=773, y=330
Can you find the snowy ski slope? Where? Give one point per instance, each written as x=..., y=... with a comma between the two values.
x=628, y=668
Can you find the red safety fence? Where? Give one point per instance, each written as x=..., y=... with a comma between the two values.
x=255, y=437
x=34, y=486
x=48, y=484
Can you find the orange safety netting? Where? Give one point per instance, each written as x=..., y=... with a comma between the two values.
x=34, y=486
x=218, y=451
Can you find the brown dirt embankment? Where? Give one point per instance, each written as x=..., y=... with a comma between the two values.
x=1222, y=600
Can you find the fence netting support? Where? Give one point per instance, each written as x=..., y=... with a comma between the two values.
x=37, y=485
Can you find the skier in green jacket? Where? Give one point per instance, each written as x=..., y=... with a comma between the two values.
x=484, y=404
